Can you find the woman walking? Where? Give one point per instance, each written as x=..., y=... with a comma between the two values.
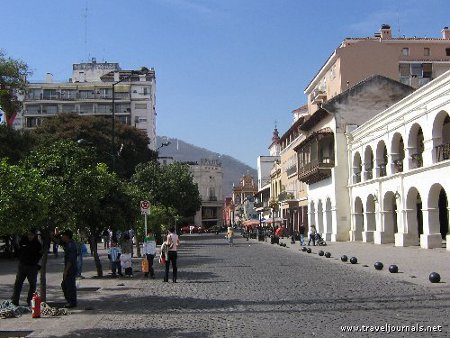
x=172, y=242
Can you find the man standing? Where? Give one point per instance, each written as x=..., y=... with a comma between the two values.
x=68, y=284
x=302, y=235
x=172, y=243
x=30, y=252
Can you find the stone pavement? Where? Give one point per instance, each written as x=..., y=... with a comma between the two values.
x=252, y=289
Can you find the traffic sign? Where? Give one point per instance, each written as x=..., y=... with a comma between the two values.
x=145, y=207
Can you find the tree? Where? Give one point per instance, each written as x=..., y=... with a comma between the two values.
x=14, y=144
x=13, y=75
x=169, y=186
x=131, y=146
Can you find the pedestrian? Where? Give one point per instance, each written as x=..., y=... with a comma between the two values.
x=30, y=252
x=125, y=257
x=106, y=238
x=302, y=231
x=230, y=234
x=81, y=251
x=312, y=235
x=172, y=243
x=149, y=252
x=68, y=284
x=114, y=253
x=55, y=244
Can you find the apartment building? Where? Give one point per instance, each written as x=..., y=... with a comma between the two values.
x=413, y=61
x=90, y=92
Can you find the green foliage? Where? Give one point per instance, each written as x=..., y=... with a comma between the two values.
x=97, y=131
x=24, y=199
x=13, y=75
x=169, y=186
x=14, y=144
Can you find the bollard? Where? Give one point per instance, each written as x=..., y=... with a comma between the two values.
x=320, y=253
x=393, y=268
x=378, y=266
x=434, y=277
x=327, y=254
x=344, y=258
x=353, y=260
x=308, y=250
x=304, y=248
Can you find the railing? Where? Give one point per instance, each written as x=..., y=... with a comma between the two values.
x=399, y=165
x=417, y=159
x=77, y=96
x=382, y=169
x=442, y=152
x=368, y=175
x=357, y=177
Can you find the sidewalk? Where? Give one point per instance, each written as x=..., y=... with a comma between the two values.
x=414, y=263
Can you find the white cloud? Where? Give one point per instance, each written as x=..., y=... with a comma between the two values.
x=199, y=6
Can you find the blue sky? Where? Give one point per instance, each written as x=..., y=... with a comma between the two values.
x=226, y=69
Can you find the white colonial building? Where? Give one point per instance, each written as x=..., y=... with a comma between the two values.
x=399, y=171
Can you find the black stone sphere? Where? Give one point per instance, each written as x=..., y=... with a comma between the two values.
x=353, y=260
x=327, y=254
x=344, y=258
x=320, y=253
x=308, y=250
x=434, y=277
x=304, y=248
x=378, y=266
x=393, y=268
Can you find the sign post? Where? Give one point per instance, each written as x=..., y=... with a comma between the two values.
x=145, y=210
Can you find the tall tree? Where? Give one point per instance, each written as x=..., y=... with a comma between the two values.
x=14, y=144
x=13, y=74
x=131, y=144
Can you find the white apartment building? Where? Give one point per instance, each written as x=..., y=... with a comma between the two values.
x=399, y=165
x=90, y=92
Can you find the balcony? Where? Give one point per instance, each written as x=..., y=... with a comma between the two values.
x=417, y=160
x=318, y=96
x=368, y=175
x=316, y=171
x=442, y=152
x=357, y=178
x=285, y=196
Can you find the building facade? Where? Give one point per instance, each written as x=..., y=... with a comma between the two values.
x=243, y=194
x=208, y=174
x=90, y=92
x=411, y=60
x=399, y=165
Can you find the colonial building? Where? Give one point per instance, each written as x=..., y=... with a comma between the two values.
x=208, y=174
x=322, y=154
x=242, y=193
x=399, y=171
x=411, y=60
x=90, y=92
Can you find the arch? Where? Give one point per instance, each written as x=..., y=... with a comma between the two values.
x=390, y=216
x=415, y=146
x=397, y=153
x=441, y=136
x=381, y=159
x=319, y=226
x=437, y=201
x=370, y=213
x=358, y=215
x=357, y=167
x=368, y=163
x=414, y=212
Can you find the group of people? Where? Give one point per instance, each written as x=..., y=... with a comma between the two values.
x=30, y=254
x=120, y=256
x=311, y=235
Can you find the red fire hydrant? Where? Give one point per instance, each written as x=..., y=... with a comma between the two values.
x=36, y=306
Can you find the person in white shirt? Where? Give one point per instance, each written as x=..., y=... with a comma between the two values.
x=172, y=242
x=149, y=250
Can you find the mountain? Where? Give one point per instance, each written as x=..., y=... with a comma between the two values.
x=181, y=151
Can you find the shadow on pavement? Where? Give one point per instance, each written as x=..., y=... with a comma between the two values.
x=147, y=332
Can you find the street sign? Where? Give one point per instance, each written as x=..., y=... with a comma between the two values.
x=145, y=207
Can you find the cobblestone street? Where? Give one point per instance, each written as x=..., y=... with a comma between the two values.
x=249, y=290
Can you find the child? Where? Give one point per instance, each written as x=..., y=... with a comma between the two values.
x=114, y=254
x=149, y=251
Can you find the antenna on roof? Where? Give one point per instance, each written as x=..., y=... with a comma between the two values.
x=398, y=24
x=276, y=124
x=85, y=16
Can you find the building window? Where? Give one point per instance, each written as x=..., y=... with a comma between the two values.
x=426, y=51
x=140, y=106
x=447, y=51
x=405, y=51
x=427, y=70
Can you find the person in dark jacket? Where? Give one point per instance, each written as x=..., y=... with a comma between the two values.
x=68, y=283
x=30, y=252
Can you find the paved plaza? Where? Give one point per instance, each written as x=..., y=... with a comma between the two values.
x=252, y=289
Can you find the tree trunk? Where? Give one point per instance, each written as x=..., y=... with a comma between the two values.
x=98, y=263
x=43, y=276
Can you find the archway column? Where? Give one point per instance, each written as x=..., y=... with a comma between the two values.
x=408, y=161
x=431, y=237
x=385, y=228
x=407, y=234
x=368, y=235
x=334, y=225
x=429, y=152
x=447, y=238
x=355, y=233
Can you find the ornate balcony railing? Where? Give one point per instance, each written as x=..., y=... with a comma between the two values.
x=315, y=171
x=442, y=152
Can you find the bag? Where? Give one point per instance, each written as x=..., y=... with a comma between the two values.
x=144, y=265
x=162, y=259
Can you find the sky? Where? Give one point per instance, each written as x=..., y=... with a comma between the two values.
x=227, y=70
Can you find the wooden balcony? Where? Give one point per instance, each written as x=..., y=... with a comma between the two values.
x=316, y=171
